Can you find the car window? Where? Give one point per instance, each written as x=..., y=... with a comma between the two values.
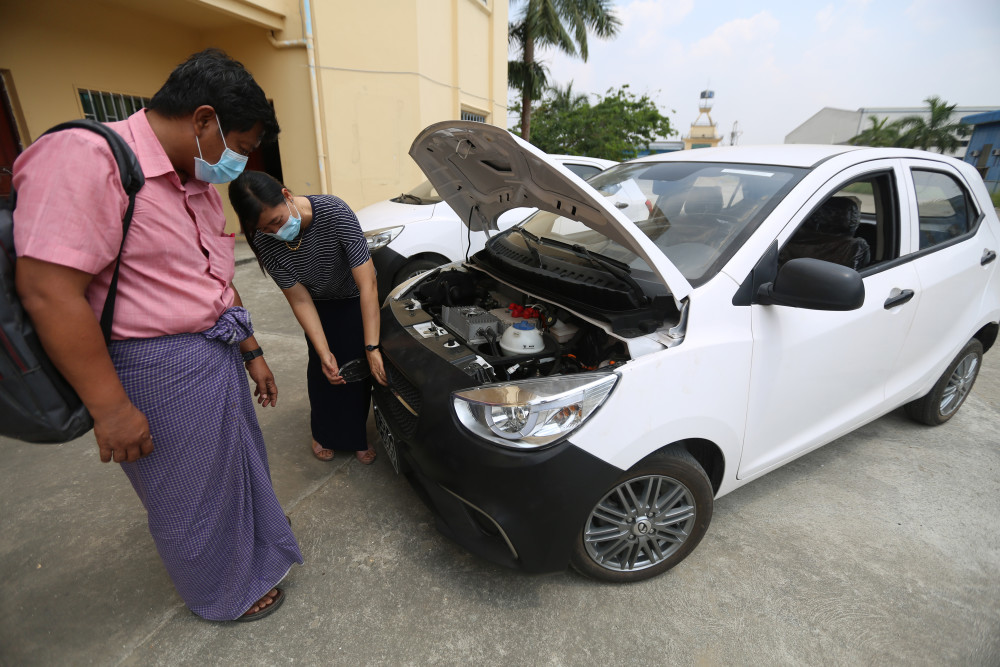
x=584, y=171
x=857, y=226
x=946, y=211
x=698, y=214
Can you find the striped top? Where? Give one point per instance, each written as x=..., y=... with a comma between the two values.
x=332, y=245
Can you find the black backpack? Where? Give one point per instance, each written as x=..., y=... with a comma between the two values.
x=36, y=403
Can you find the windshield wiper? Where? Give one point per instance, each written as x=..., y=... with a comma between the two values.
x=402, y=199
x=622, y=273
x=530, y=239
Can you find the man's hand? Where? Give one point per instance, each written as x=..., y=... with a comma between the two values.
x=266, y=390
x=123, y=435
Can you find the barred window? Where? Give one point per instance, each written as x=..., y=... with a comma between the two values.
x=472, y=115
x=107, y=107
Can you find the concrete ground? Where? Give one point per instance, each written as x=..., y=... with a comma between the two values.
x=881, y=548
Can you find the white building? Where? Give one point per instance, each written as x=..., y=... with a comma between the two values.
x=837, y=126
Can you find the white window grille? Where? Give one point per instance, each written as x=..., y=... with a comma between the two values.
x=472, y=115
x=106, y=107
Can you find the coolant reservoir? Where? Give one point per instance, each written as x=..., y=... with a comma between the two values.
x=521, y=338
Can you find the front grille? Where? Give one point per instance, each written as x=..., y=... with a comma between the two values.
x=404, y=420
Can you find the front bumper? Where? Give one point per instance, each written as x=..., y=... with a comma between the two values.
x=522, y=509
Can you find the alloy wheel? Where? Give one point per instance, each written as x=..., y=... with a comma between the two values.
x=640, y=523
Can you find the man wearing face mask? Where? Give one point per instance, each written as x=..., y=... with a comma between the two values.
x=313, y=248
x=168, y=396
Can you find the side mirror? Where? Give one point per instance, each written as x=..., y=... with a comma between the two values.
x=814, y=284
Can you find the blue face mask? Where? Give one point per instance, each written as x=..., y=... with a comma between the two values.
x=229, y=166
x=289, y=230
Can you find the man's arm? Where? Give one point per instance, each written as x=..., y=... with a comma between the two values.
x=53, y=296
x=266, y=390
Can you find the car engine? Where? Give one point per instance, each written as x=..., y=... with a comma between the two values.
x=508, y=334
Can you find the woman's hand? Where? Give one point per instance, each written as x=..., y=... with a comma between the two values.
x=378, y=368
x=330, y=368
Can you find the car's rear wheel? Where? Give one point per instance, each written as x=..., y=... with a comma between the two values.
x=648, y=521
x=948, y=395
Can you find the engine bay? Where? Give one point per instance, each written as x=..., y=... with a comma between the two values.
x=495, y=333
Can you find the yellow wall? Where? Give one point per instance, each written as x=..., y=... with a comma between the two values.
x=384, y=70
x=389, y=69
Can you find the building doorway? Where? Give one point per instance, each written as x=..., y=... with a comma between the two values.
x=10, y=138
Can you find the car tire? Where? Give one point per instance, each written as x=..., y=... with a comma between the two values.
x=415, y=267
x=627, y=537
x=947, y=396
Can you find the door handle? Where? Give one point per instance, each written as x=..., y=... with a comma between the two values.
x=898, y=300
x=988, y=256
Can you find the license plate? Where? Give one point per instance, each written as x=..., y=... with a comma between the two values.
x=388, y=439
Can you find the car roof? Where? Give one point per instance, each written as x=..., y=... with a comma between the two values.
x=788, y=155
x=583, y=159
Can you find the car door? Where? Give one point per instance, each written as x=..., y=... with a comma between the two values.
x=818, y=374
x=952, y=256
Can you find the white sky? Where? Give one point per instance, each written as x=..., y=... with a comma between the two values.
x=773, y=64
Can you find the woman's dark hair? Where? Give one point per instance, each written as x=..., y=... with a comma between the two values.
x=213, y=78
x=250, y=193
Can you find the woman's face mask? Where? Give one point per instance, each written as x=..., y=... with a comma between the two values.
x=290, y=229
x=229, y=166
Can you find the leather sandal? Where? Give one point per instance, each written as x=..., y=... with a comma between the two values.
x=366, y=456
x=322, y=453
x=276, y=600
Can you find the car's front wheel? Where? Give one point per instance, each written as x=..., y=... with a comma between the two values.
x=947, y=396
x=650, y=520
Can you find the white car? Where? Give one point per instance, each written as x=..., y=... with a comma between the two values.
x=417, y=231
x=580, y=391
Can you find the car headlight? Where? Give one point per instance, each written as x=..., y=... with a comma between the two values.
x=532, y=413
x=380, y=238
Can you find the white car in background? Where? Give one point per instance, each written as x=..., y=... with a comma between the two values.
x=417, y=231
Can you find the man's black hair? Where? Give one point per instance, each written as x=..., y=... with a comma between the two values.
x=213, y=78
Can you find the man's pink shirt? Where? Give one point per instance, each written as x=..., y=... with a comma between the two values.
x=178, y=262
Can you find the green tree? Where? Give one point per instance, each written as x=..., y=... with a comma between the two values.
x=563, y=24
x=617, y=127
x=881, y=133
x=936, y=131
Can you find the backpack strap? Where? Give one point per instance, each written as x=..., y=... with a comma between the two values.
x=132, y=180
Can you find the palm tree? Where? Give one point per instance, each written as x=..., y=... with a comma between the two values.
x=881, y=133
x=564, y=99
x=560, y=23
x=936, y=131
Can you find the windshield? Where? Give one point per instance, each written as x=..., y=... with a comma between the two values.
x=698, y=214
x=425, y=193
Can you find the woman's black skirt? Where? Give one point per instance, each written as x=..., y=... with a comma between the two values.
x=339, y=413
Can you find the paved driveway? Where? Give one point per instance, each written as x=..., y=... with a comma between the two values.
x=880, y=548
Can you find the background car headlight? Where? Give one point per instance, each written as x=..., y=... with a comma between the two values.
x=532, y=413
x=380, y=238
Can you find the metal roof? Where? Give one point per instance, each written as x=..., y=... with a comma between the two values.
x=982, y=118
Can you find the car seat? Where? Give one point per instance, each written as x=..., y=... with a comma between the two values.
x=828, y=234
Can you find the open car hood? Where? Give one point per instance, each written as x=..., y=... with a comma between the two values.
x=482, y=170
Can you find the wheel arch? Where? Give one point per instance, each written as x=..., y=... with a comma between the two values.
x=432, y=256
x=708, y=455
x=987, y=335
